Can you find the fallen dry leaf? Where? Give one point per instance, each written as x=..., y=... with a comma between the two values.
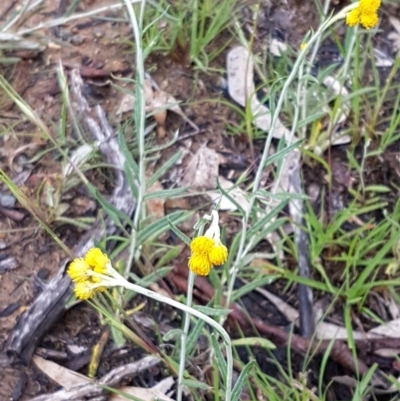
x=236, y=193
x=389, y=329
x=240, y=70
x=155, y=206
x=158, y=102
x=147, y=394
x=159, y=107
x=343, y=112
x=242, y=90
x=323, y=330
x=62, y=376
x=395, y=36
x=203, y=169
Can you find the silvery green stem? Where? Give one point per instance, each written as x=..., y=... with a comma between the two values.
x=302, y=90
x=185, y=330
x=140, y=117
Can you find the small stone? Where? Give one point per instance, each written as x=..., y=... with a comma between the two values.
x=98, y=33
x=64, y=34
x=77, y=40
x=8, y=264
x=117, y=66
x=7, y=200
x=313, y=191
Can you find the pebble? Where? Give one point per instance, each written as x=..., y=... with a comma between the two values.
x=7, y=200
x=77, y=39
x=117, y=66
x=19, y=163
x=98, y=32
x=8, y=264
x=64, y=34
x=313, y=191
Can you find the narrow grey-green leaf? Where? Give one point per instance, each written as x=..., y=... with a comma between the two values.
x=212, y=311
x=172, y=334
x=179, y=233
x=164, y=168
x=196, y=384
x=254, y=342
x=237, y=389
x=219, y=358
x=193, y=337
x=165, y=193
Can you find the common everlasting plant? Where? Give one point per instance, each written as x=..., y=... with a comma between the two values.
x=94, y=273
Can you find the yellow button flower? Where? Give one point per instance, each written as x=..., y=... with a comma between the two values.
x=84, y=290
x=79, y=270
x=202, y=244
x=365, y=14
x=97, y=260
x=207, y=250
x=369, y=6
x=200, y=264
x=353, y=17
x=369, y=20
x=218, y=255
x=83, y=273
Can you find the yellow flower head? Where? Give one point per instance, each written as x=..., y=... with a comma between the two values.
x=79, y=270
x=85, y=290
x=353, y=17
x=202, y=244
x=369, y=6
x=83, y=273
x=97, y=260
x=369, y=20
x=218, y=255
x=365, y=14
x=207, y=250
x=200, y=264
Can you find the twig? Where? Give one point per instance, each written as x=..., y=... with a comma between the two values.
x=296, y=207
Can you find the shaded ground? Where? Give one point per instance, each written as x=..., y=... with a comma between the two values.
x=27, y=254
